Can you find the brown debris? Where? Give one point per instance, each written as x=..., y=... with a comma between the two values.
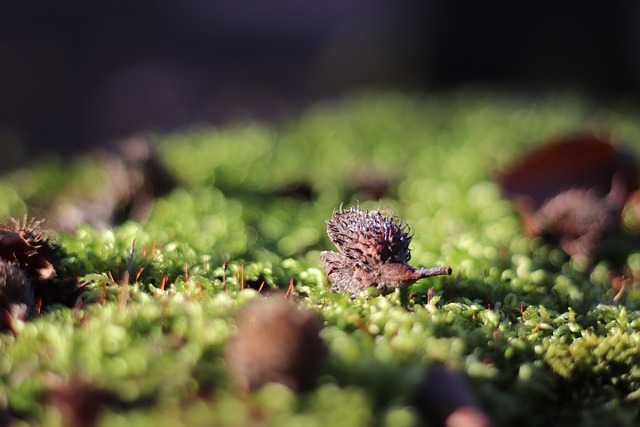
x=138, y=177
x=276, y=342
x=373, y=252
x=445, y=399
x=135, y=176
x=302, y=191
x=572, y=190
x=576, y=220
x=370, y=183
x=79, y=402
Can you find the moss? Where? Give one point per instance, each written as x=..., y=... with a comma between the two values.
x=541, y=338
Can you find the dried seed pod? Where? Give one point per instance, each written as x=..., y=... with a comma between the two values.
x=373, y=252
x=16, y=295
x=278, y=342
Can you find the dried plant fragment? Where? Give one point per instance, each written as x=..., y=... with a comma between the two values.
x=373, y=252
x=276, y=342
x=572, y=191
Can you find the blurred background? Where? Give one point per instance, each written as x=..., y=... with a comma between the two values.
x=75, y=75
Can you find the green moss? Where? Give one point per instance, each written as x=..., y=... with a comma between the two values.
x=539, y=336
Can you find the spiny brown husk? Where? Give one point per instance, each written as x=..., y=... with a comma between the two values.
x=373, y=252
x=27, y=245
x=371, y=237
x=16, y=296
x=276, y=342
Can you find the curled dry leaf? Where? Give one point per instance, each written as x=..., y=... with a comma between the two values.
x=373, y=252
x=276, y=342
x=571, y=190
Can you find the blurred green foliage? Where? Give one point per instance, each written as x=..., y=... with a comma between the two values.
x=539, y=335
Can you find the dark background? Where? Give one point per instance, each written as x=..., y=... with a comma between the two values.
x=77, y=74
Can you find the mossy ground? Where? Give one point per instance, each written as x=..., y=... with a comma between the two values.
x=539, y=335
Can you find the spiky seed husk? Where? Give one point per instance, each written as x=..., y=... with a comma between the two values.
x=16, y=294
x=277, y=341
x=28, y=245
x=372, y=237
x=33, y=232
x=373, y=251
x=30, y=230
